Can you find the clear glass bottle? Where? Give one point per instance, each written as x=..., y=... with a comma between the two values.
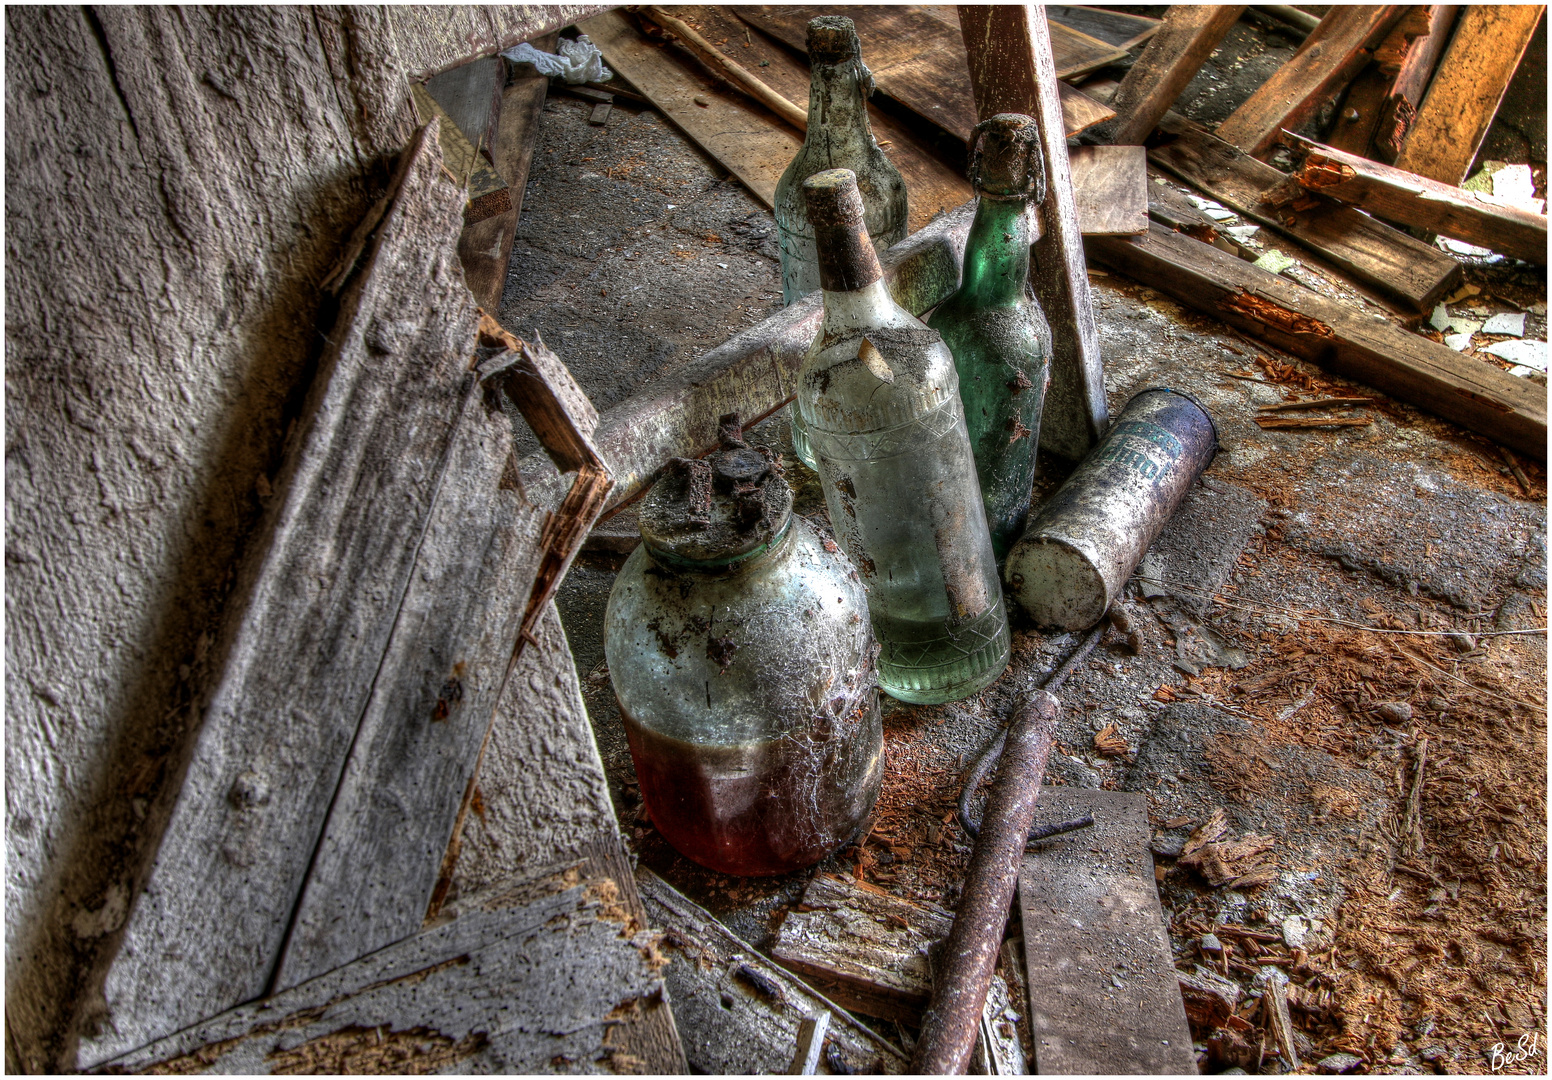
x=743, y=660
x=879, y=396
x=839, y=136
x=999, y=336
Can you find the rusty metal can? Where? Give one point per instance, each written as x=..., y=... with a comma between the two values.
x=1084, y=543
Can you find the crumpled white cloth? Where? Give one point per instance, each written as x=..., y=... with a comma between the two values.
x=579, y=61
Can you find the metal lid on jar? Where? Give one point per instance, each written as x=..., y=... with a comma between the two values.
x=719, y=510
x=1005, y=161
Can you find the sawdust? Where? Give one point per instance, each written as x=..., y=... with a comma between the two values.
x=376, y=1051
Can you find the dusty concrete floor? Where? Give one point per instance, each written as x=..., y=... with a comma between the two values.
x=1275, y=659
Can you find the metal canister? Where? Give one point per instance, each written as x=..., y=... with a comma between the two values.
x=1084, y=543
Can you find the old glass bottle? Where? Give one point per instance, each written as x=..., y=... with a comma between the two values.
x=839, y=136
x=743, y=660
x=879, y=397
x=995, y=328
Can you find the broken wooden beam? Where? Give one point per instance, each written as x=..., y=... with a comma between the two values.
x=1008, y=49
x=1463, y=98
x=735, y=1010
x=1413, y=75
x=1329, y=58
x=548, y=971
x=1170, y=61
x=1353, y=344
x=1386, y=259
x=1381, y=103
x=1409, y=199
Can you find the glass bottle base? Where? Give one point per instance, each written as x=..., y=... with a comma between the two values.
x=925, y=664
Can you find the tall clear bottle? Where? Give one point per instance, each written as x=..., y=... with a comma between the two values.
x=999, y=336
x=839, y=136
x=879, y=397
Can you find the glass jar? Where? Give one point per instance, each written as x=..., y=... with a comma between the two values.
x=880, y=399
x=743, y=660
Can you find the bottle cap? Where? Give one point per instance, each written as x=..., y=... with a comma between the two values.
x=719, y=510
x=847, y=261
x=1005, y=161
x=832, y=39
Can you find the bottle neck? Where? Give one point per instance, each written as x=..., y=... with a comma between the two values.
x=996, y=266
x=857, y=309
x=838, y=124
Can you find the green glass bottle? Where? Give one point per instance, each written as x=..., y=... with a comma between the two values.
x=994, y=326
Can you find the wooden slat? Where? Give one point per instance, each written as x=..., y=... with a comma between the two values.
x=1410, y=199
x=1338, y=49
x=1110, y=188
x=1173, y=57
x=313, y=624
x=1353, y=344
x=1103, y=996
x=552, y=974
x=1121, y=29
x=1463, y=98
x=916, y=59
x=1011, y=71
x=726, y=1010
x=1396, y=264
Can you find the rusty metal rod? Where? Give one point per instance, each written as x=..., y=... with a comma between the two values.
x=959, y=991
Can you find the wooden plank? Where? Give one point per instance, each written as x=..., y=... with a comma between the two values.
x=1410, y=199
x=1121, y=29
x=1110, y=189
x=485, y=245
x=753, y=373
x=916, y=59
x=447, y=663
x=548, y=975
x=1398, y=265
x=1463, y=98
x=1337, y=50
x=1355, y=345
x=1173, y=57
x=308, y=636
x=1011, y=71
x=736, y=1011
x=1102, y=986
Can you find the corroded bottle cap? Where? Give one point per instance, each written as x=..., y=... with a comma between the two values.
x=847, y=261
x=832, y=39
x=717, y=511
x=1005, y=161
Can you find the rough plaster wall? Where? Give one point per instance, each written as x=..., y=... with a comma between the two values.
x=179, y=180
x=542, y=790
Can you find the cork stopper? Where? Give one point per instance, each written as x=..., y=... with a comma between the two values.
x=832, y=39
x=1005, y=161
x=847, y=261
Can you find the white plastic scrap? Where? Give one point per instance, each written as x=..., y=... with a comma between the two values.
x=579, y=61
x=1458, y=342
x=1506, y=324
x=1525, y=352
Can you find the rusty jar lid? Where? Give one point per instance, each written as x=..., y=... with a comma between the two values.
x=718, y=511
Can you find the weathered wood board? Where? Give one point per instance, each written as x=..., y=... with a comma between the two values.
x=1358, y=346
x=1173, y=56
x=1110, y=188
x=731, y=1020
x=1118, y=28
x=1410, y=199
x=918, y=60
x=1465, y=93
x=1103, y=996
x=551, y=974
x=1386, y=259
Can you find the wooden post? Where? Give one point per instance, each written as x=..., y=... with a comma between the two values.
x=1011, y=70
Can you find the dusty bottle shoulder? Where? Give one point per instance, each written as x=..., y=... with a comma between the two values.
x=861, y=380
x=1012, y=330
